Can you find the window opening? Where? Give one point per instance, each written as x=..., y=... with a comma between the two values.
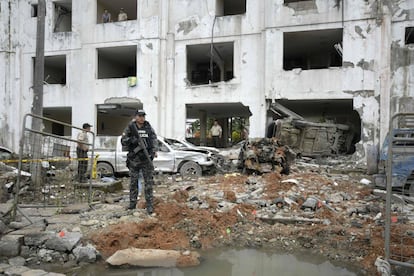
x=312, y=49
x=199, y=59
x=108, y=11
x=54, y=69
x=34, y=10
x=62, y=114
x=117, y=62
x=409, y=35
x=63, y=16
x=230, y=7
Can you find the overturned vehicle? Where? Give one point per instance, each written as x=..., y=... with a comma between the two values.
x=309, y=138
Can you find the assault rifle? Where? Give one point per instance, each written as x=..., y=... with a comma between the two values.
x=141, y=144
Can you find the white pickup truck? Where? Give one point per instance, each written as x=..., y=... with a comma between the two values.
x=112, y=160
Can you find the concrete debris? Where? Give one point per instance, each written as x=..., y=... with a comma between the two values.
x=154, y=258
x=319, y=207
x=292, y=220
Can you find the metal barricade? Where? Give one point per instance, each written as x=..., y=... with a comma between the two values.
x=399, y=216
x=48, y=166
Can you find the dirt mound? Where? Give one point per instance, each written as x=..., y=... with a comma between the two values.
x=175, y=227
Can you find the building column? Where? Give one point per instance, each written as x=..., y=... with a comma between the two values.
x=203, y=127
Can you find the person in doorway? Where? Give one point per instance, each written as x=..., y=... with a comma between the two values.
x=82, y=152
x=106, y=16
x=216, y=132
x=142, y=150
x=122, y=16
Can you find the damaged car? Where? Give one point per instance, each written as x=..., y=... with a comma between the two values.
x=111, y=161
x=308, y=138
x=182, y=144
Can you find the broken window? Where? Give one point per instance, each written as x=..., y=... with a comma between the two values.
x=34, y=10
x=312, y=49
x=117, y=62
x=230, y=7
x=62, y=16
x=113, y=8
x=54, y=69
x=205, y=58
x=409, y=35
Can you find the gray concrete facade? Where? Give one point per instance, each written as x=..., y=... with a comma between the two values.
x=375, y=73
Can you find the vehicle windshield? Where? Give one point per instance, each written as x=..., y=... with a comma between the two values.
x=188, y=144
x=175, y=144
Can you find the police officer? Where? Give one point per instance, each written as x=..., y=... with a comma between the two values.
x=141, y=152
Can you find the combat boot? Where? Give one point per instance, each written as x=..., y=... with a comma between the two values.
x=132, y=205
x=150, y=209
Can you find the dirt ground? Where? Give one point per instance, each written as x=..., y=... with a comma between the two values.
x=347, y=238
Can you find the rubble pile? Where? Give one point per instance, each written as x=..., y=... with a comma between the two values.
x=325, y=209
x=8, y=177
x=262, y=155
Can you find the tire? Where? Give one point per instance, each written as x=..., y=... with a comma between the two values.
x=104, y=169
x=190, y=168
x=219, y=162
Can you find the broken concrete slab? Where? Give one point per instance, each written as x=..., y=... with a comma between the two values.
x=76, y=208
x=64, y=241
x=108, y=187
x=5, y=208
x=10, y=245
x=292, y=220
x=153, y=258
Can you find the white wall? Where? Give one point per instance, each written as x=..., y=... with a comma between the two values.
x=372, y=36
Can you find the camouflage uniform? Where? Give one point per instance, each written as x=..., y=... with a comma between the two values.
x=137, y=160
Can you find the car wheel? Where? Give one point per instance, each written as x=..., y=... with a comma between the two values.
x=219, y=162
x=190, y=168
x=104, y=169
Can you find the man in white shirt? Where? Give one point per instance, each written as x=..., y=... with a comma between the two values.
x=82, y=152
x=216, y=133
x=122, y=16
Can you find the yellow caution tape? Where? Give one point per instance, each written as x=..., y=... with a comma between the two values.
x=48, y=159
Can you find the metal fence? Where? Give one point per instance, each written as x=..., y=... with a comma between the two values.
x=399, y=217
x=48, y=165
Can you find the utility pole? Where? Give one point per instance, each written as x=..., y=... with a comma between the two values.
x=37, y=107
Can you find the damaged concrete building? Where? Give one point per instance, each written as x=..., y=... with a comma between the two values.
x=342, y=61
